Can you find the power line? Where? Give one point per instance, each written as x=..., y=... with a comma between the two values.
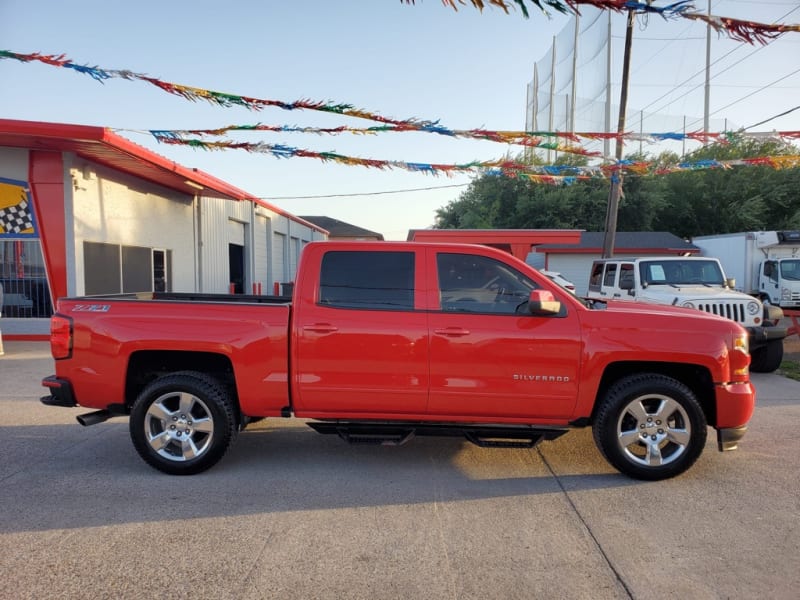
x=425, y=189
x=772, y=118
x=717, y=74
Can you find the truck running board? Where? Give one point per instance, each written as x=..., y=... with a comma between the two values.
x=387, y=433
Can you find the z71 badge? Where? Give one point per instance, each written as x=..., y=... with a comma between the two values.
x=91, y=308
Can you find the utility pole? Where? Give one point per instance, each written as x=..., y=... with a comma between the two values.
x=707, y=100
x=616, y=177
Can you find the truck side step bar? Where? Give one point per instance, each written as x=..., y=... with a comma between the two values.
x=389, y=433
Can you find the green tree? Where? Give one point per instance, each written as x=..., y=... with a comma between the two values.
x=686, y=203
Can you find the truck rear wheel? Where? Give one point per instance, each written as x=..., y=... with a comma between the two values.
x=182, y=423
x=650, y=426
x=767, y=359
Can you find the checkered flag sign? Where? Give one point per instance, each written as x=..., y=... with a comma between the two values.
x=16, y=219
x=15, y=211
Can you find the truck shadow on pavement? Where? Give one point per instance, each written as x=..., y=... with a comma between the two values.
x=99, y=480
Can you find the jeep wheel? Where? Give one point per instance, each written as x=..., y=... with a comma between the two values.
x=650, y=426
x=767, y=359
x=182, y=423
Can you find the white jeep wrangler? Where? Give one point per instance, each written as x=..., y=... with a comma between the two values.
x=692, y=282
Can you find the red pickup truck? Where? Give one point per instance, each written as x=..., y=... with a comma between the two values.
x=387, y=340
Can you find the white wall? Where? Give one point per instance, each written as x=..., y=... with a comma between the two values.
x=114, y=208
x=14, y=163
x=574, y=267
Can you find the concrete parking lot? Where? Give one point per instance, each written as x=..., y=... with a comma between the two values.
x=292, y=514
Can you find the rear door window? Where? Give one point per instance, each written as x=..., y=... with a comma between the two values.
x=367, y=280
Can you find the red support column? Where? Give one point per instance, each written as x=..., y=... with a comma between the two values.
x=46, y=180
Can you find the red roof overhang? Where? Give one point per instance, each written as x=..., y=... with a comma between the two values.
x=103, y=146
x=624, y=251
x=516, y=241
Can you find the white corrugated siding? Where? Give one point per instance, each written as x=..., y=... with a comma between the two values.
x=280, y=266
x=574, y=267
x=261, y=264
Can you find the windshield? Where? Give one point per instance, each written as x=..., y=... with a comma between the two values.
x=790, y=269
x=681, y=272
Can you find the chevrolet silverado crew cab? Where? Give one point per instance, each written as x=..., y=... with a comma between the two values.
x=383, y=341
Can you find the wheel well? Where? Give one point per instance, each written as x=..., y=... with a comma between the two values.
x=696, y=378
x=146, y=365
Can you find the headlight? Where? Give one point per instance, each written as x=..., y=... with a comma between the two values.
x=688, y=305
x=740, y=357
x=753, y=308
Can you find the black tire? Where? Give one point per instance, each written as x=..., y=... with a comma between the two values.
x=183, y=423
x=767, y=359
x=650, y=426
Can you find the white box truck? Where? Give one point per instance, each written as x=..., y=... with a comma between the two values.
x=765, y=264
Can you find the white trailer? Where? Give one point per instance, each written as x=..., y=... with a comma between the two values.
x=765, y=264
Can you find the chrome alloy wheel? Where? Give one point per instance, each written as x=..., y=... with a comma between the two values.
x=179, y=426
x=653, y=430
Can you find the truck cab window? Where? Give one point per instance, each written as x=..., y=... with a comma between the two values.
x=471, y=283
x=373, y=280
x=596, y=277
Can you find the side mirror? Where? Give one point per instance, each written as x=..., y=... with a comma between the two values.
x=542, y=302
x=730, y=282
x=626, y=284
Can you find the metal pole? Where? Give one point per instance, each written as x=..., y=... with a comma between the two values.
x=616, y=177
x=550, y=125
x=572, y=105
x=607, y=142
x=707, y=105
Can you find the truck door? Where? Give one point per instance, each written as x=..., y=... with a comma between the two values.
x=489, y=357
x=360, y=341
x=603, y=282
x=769, y=281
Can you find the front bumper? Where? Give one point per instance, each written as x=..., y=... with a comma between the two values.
x=761, y=336
x=735, y=405
x=61, y=393
x=728, y=437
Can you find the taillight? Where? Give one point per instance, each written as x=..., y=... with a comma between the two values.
x=60, y=336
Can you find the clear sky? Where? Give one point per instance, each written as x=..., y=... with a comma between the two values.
x=468, y=69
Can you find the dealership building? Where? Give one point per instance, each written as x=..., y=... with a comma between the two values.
x=85, y=211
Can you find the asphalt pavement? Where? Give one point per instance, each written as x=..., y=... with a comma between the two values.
x=289, y=513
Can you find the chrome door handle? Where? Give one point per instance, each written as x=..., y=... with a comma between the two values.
x=321, y=328
x=452, y=331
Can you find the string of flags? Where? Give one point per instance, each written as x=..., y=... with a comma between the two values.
x=545, y=140
x=549, y=174
x=558, y=141
x=741, y=30
x=194, y=94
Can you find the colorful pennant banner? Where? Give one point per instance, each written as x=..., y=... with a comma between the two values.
x=194, y=93
x=750, y=32
x=568, y=6
x=519, y=138
x=553, y=174
x=547, y=140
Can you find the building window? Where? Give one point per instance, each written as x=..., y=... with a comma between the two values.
x=114, y=269
x=25, y=292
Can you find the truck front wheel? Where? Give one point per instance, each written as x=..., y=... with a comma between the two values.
x=182, y=423
x=650, y=426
